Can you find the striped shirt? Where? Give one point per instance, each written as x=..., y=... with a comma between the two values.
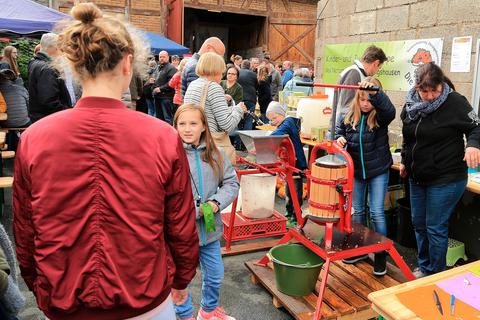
x=220, y=117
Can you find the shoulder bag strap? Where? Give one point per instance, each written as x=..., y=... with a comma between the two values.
x=203, y=99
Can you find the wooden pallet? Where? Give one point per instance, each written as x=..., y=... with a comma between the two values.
x=248, y=246
x=345, y=296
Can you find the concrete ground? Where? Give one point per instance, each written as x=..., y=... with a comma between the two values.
x=239, y=296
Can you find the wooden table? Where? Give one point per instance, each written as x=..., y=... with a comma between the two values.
x=471, y=186
x=386, y=303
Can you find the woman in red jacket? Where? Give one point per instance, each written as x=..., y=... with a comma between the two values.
x=104, y=216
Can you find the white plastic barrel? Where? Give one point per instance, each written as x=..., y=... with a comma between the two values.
x=315, y=112
x=258, y=195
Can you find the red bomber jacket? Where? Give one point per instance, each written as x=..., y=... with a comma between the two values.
x=104, y=219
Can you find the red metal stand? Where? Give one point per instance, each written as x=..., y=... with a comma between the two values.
x=284, y=168
x=341, y=239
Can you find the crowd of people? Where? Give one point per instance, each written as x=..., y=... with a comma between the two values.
x=114, y=209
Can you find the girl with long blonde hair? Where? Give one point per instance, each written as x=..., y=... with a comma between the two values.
x=353, y=116
x=214, y=186
x=364, y=131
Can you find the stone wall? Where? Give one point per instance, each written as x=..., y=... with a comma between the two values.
x=346, y=21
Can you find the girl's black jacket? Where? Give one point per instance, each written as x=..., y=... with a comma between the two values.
x=370, y=150
x=434, y=146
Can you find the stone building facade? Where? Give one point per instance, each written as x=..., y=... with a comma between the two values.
x=350, y=21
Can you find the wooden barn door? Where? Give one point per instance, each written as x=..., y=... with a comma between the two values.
x=294, y=41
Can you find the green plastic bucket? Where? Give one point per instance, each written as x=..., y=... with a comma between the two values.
x=296, y=268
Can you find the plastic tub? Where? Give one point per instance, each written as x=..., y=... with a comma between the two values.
x=296, y=268
x=315, y=112
x=258, y=195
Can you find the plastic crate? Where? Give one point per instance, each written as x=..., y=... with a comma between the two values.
x=246, y=228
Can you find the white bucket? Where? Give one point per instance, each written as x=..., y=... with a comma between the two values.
x=258, y=195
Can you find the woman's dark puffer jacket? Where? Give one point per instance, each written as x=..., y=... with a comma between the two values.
x=370, y=150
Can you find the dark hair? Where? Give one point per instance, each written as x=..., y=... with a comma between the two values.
x=245, y=64
x=430, y=76
x=374, y=53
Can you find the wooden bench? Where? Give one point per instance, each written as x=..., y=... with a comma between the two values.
x=8, y=154
x=346, y=295
x=6, y=182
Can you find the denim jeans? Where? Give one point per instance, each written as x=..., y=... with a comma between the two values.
x=432, y=207
x=151, y=107
x=248, y=120
x=298, y=183
x=377, y=189
x=164, y=109
x=211, y=266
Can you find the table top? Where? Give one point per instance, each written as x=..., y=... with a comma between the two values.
x=386, y=303
x=471, y=186
x=309, y=142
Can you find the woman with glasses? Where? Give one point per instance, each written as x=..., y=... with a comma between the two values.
x=233, y=91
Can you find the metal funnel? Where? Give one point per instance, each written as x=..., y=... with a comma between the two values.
x=261, y=145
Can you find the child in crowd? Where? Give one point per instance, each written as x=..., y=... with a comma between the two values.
x=214, y=186
x=364, y=131
x=291, y=126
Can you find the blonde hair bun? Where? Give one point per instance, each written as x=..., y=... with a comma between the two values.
x=86, y=12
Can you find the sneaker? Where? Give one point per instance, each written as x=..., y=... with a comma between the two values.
x=217, y=314
x=352, y=260
x=380, y=264
x=418, y=273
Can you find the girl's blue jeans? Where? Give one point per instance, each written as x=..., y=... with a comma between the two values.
x=377, y=189
x=211, y=266
x=432, y=206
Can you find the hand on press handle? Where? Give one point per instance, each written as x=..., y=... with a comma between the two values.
x=366, y=84
x=342, y=141
x=472, y=157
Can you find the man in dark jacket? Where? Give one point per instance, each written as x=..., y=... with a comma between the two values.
x=162, y=92
x=248, y=80
x=48, y=92
x=212, y=44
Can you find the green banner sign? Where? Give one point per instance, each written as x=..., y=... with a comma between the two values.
x=397, y=72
